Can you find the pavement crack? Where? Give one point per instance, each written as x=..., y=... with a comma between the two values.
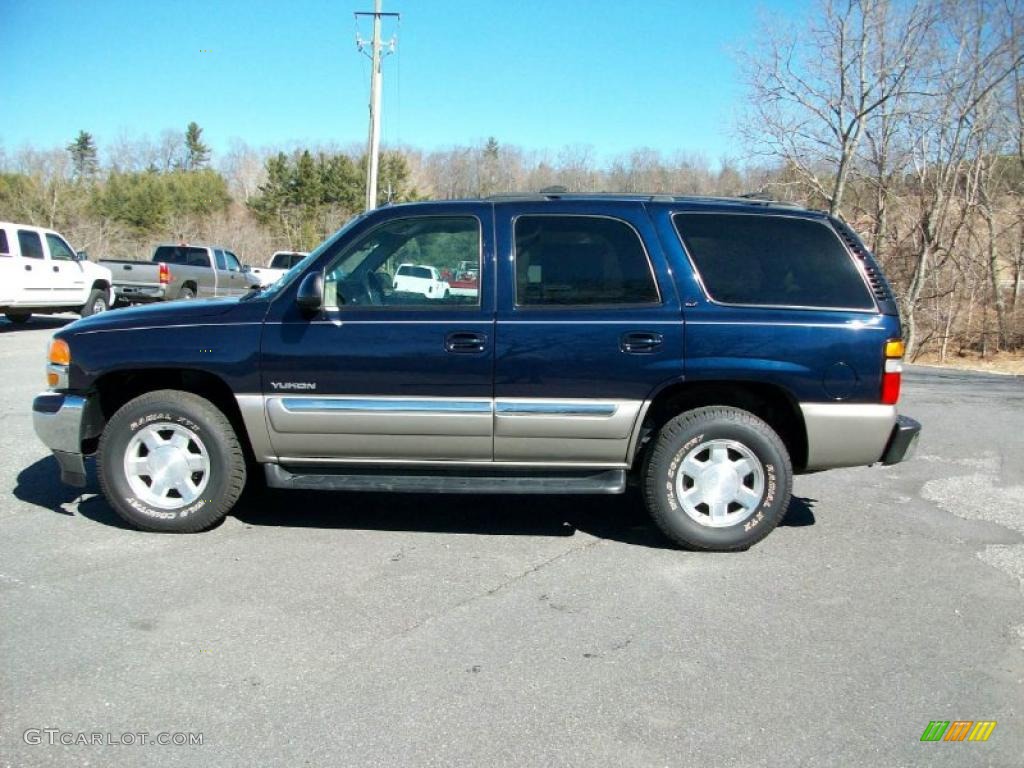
x=496, y=589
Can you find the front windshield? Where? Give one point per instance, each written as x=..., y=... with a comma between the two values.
x=288, y=277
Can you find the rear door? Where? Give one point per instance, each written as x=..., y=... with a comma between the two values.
x=382, y=375
x=588, y=326
x=10, y=270
x=36, y=277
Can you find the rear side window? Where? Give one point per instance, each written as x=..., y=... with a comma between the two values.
x=772, y=261
x=182, y=254
x=580, y=261
x=409, y=271
x=4, y=249
x=285, y=260
x=31, y=244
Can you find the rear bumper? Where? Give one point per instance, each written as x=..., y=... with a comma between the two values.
x=903, y=441
x=62, y=422
x=140, y=293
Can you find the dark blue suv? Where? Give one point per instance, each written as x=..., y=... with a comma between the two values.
x=711, y=348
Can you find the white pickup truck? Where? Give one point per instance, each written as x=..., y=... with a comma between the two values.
x=41, y=274
x=421, y=279
x=280, y=262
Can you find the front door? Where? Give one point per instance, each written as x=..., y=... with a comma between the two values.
x=381, y=374
x=236, y=285
x=588, y=326
x=68, y=279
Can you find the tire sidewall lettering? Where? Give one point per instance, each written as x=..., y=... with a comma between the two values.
x=673, y=467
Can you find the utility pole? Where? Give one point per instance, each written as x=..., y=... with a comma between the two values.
x=376, y=56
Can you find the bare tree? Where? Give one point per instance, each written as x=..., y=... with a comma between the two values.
x=811, y=90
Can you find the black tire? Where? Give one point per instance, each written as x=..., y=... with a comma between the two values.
x=96, y=298
x=682, y=437
x=18, y=318
x=186, y=293
x=226, y=475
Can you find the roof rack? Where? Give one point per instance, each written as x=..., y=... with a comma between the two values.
x=559, y=193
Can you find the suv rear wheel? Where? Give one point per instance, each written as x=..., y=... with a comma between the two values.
x=170, y=461
x=717, y=478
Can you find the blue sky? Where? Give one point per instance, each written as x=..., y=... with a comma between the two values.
x=614, y=75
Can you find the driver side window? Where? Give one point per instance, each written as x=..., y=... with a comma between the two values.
x=422, y=262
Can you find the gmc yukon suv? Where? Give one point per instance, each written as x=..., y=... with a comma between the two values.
x=708, y=348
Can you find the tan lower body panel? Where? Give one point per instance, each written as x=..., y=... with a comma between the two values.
x=550, y=430
x=523, y=431
x=846, y=434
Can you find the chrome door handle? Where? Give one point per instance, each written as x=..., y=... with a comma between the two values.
x=640, y=342
x=465, y=342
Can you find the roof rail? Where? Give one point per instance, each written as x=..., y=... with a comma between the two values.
x=557, y=193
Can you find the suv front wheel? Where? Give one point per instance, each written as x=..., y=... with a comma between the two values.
x=717, y=478
x=170, y=461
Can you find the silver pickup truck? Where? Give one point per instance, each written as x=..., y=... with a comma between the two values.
x=180, y=271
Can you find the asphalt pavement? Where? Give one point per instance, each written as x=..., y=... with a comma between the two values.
x=388, y=630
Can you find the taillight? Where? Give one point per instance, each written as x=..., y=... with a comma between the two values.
x=165, y=274
x=893, y=373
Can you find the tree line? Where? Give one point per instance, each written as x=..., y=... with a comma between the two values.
x=903, y=117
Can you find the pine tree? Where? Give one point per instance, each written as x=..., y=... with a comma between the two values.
x=83, y=156
x=197, y=154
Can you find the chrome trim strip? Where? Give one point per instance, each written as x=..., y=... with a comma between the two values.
x=451, y=321
x=453, y=463
x=508, y=408
x=678, y=321
x=381, y=405
x=852, y=326
x=846, y=434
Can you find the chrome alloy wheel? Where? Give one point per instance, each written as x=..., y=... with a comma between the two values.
x=167, y=465
x=720, y=483
x=100, y=305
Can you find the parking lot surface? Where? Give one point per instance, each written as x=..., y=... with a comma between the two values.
x=388, y=630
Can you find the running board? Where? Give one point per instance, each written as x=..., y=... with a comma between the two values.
x=485, y=480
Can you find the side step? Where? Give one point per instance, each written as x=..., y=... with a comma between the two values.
x=485, y=480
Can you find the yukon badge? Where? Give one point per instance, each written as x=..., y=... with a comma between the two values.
x=293, y=385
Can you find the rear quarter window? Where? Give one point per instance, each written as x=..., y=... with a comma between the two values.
x=4, y=248
x=772, y=261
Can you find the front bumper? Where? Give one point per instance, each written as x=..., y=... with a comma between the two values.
x=62, y=422
x=902, y=441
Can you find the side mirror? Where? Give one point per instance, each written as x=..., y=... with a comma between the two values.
x=82, y=256
x=310, y=297
x=246, y=268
